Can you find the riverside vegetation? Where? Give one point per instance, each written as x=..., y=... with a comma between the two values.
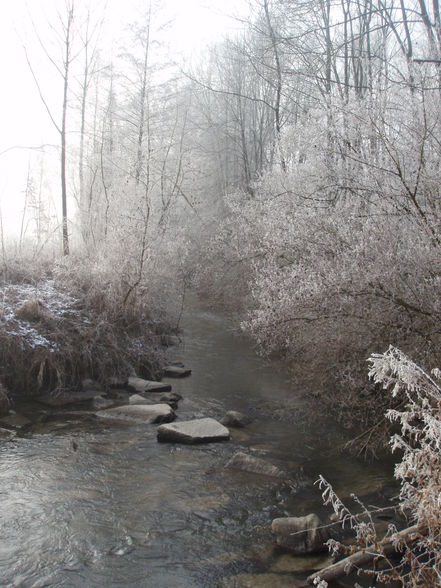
x=293, y=178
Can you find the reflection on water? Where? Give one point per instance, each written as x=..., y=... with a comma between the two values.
x=123, y=510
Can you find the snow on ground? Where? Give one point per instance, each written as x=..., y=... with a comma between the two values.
x=56, y=303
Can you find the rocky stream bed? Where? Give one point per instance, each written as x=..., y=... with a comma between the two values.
x=180, y=483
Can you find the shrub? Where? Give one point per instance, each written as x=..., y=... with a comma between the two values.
x=419, y=473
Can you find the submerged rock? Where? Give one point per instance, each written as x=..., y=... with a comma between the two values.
x=139, y=413
x=236, y=419
x=176, y=371
x=124, y=547
x=254, y=465
x=140, y=385
x=300, y=535
x=195, y=431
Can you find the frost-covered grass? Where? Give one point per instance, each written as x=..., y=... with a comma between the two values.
x=62, y=323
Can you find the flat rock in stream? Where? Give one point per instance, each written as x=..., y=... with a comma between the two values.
x=254, y=465
x=139, y=413
x=65, y=396
x=138, y=385
x=176, y=371
x=196, y=431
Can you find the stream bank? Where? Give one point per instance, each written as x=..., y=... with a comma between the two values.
x=90, y=503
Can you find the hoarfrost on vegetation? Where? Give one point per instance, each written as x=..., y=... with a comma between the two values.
x=56, y=304
x=418, y=471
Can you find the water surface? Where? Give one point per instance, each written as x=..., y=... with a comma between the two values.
x=85, y=503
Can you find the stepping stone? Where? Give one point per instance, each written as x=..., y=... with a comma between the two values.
x=139, y=413
x=176, y=371
x=139, y=385
x=196, y=431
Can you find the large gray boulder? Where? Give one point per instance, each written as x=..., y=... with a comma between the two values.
x=140, y=385
x=254, y=465
x=139, y=413
x=300, y=535
x=195, y=431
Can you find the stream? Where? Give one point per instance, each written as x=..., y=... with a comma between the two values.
x=87, y=503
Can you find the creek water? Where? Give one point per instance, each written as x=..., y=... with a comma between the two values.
x=86, y=503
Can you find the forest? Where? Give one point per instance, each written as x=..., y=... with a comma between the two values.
x=290, y=175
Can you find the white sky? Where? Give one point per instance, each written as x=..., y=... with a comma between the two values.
x=23, y=119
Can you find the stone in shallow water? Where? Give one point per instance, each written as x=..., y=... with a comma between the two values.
x=139, y=413
x=195, y=431
x=300, y=535
x=233, y=418
x=140, y=385
x=176, y=371
x=254, y=465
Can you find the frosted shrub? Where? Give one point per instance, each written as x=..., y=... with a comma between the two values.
x=418, y=547
x=411, y=556
x=419, y=416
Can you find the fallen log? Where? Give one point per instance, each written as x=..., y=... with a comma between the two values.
x=367, y=554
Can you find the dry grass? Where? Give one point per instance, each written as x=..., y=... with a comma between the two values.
x=60, y=326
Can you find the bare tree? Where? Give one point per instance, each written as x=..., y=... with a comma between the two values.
x=63, y=35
